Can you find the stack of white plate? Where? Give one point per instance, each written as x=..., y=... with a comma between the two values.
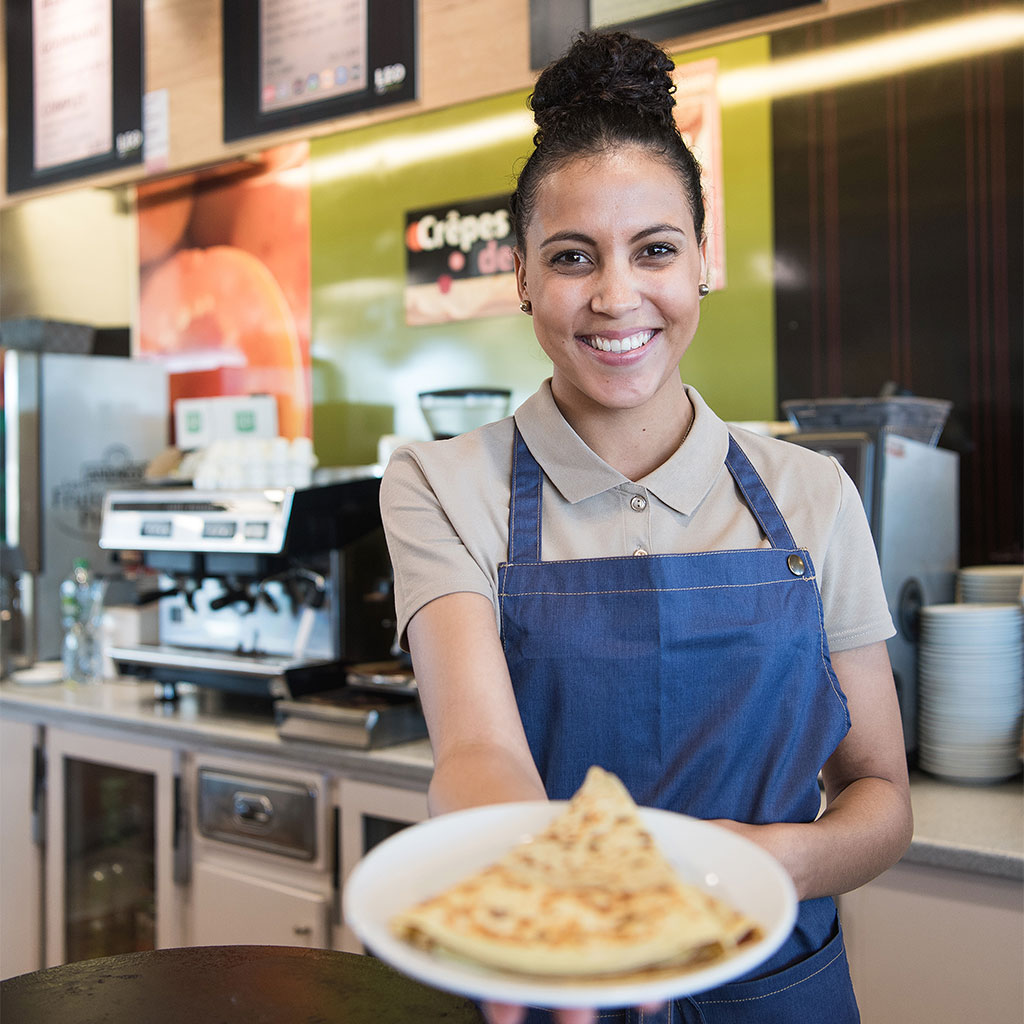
x=970, y=691
x=997, y=584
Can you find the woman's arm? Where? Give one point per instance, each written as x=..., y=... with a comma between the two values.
x=867, y=823
x=480, y=751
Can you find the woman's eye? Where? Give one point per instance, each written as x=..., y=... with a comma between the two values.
x=657, y=249
x=570, y=258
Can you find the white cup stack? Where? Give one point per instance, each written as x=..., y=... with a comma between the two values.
x=995, y=584
x=970, y=691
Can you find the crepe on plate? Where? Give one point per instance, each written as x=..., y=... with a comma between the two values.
x=590, y=895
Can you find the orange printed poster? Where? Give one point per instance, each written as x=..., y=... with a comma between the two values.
x=224, y=292
x=699, y=118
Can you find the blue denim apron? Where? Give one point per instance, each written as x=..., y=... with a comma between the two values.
x=704, y=682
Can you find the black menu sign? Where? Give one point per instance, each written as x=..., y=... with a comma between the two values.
x=459, y=263
x=74, y=89
x=291, y=62
x=554, y=23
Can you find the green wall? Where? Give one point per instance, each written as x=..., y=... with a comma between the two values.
x=368, y=365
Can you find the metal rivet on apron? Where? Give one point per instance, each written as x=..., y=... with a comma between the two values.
x=639, y=551
x=638, y=503
x=796, y=565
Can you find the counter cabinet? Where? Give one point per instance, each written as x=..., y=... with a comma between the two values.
x=21, y=860
x=929, y=945
x=113, y=846
x=938, y=938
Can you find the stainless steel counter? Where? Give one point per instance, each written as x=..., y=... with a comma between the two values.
x=966, y=828
x=204, y=718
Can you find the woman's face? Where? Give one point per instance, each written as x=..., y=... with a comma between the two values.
x=611, y=266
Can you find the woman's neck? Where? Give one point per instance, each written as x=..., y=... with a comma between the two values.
x=633, y=441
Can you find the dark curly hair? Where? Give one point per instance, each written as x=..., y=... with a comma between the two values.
x=610, y=89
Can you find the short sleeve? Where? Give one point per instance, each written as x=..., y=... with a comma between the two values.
x=429, y=557
x=852, y=595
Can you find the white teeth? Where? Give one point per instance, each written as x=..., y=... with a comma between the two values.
x=619, y=344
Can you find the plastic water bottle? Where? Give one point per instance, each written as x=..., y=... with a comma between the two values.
x=81, y=608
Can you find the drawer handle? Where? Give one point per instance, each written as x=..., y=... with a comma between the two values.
x=253, y=808
x=303, y=931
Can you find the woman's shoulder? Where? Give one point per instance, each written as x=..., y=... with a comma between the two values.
x=811, y=489
x=779, y=457
x=474, y=456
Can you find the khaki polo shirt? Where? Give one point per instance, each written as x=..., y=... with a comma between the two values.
x=445, y=508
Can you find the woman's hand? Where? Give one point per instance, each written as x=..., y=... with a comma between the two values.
x=506, y=1013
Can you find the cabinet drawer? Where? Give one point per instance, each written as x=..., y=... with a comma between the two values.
x=275, y=815
x=235, y=908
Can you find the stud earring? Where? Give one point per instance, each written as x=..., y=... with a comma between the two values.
x=703, y=290
x=526, y=306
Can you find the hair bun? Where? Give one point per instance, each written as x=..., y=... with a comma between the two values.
x=611, y=68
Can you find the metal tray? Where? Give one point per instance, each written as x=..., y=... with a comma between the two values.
x=351, y=718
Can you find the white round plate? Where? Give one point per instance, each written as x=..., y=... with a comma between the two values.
x=43, y=673
x=985, y=661
x=960, y=611
x=951, y=700
x=980, y=693
x=425, y=859
x=1007, y=571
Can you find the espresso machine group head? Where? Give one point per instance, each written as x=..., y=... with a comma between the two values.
x=269, y=592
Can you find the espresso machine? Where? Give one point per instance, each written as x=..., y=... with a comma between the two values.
x=281, y=594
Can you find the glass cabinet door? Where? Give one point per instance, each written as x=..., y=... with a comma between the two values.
x=370, y=813
x=109, y=860
x=109, y=848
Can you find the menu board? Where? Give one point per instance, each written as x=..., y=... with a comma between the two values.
x=553, y=23
x=290, y=62
x=74, y=83
x=311, y=50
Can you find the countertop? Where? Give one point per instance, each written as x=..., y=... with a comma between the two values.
x=207, y=719
x=976, y=828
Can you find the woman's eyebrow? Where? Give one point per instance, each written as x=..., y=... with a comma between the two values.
x=569, y=236
x=578, y=236
x=656, y=229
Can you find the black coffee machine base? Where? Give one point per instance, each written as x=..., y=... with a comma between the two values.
x=294, y=682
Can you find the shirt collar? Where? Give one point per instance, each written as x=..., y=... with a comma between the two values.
x=681, y=483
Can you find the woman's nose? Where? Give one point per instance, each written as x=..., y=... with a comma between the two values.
x=615, y=292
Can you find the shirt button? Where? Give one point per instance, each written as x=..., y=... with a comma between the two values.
x=640, y=551
x=796, y=565
x=638, y=503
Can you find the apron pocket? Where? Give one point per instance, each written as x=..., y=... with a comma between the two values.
x=813, y=990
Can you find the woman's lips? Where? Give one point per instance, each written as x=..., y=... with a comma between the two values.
x=617, y=342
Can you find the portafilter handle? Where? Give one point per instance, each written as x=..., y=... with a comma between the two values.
x=186, y=588
x=234, y=595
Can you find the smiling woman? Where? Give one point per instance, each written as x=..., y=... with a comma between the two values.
x=613, y=576
x=611, y=264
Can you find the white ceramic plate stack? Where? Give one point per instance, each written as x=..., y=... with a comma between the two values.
x=970, y=691
x=996, y=584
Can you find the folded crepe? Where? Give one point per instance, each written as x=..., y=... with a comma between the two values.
x=590, y=895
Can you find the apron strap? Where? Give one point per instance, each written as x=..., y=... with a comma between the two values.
x=761, y=503
x=524, y=510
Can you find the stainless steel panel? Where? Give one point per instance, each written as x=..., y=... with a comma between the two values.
x=274, y=815
x=352, y=718
x=77, y=426
x=290, y=633
x=190, y=520
x=918, y=539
